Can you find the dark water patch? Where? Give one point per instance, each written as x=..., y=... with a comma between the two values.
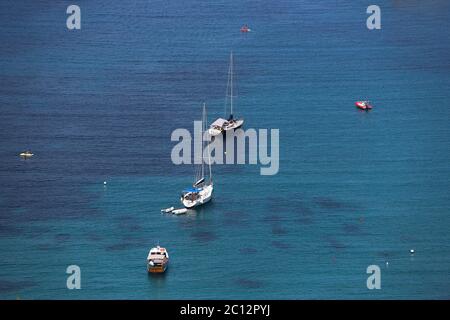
x=6, y=230
x=204, y=236
x=126, y=219
x=134, y=227
x=62, y=237
x=120, y=246
x=93, y=237
x=335, y=244
x=294, y=205
x=136, y=239
x=7, y=286
x=44, y=198
x=48, y=247
x=281, y=245
x=272, y=218
x=128, y=223
x=352, y=228
x=191, y=222
x=236, y=222
x=278, y=230
x=305, y=212
x=248, y=250
x=304, y=220
x=248, y=283
x=275, y=204
x=37, y=232
x=236, y=214
x=385, y=254
x=408, y=238
x=304, y=215
x=329, y=203
x=236, y=218
x=130, y=227
x=301, y=208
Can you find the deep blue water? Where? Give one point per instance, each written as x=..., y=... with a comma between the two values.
x=354, y=188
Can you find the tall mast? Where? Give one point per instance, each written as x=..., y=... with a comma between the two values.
x=209, y=154
x=231, y=82
x=203, y=140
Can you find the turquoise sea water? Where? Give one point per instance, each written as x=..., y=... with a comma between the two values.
x=99, y=104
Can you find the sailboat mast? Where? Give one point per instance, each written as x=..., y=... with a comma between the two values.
x=209, y=154
x=231, y=82
x=203, y=140
x=205, y=121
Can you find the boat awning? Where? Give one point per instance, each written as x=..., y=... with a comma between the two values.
x=156, y=257
x=192, y=190
x=219, y=122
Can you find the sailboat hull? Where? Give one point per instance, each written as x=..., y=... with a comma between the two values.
x=235, y=125
x=214, y=132
x=204, y=196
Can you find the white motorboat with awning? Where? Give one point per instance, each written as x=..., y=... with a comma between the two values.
x=157, y=260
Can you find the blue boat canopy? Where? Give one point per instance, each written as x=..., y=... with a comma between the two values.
x=192, y=190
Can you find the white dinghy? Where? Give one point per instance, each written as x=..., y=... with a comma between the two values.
x=167, y=210
x=179, y=211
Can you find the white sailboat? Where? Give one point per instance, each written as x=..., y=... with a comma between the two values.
x=221, y=125
x=202, y=189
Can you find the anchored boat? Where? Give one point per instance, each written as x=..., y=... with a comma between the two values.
x=167, y=210
x=27, y=154
x=221, y=125
x=157, y=260
x=202, y=189
x=364, y=105
x=245, y=28
x=179, y=211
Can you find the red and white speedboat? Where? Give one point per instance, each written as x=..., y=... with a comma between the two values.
x=245, y=28
x=363, y=105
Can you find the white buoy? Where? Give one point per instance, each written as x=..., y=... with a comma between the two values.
x=387, y=264
x=104, y=182
x=411, y=251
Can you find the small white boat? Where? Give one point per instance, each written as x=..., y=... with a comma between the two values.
x=26, y=154
x=202, y=189
x=179, y=211
x=157, y=260
x=221, y=125
x=167, y=210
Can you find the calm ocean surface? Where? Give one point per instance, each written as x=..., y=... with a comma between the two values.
x=354, y=188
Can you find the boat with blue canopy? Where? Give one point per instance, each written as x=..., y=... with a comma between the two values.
x=202, y=188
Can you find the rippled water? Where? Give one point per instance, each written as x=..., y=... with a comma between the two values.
x=99, y=104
